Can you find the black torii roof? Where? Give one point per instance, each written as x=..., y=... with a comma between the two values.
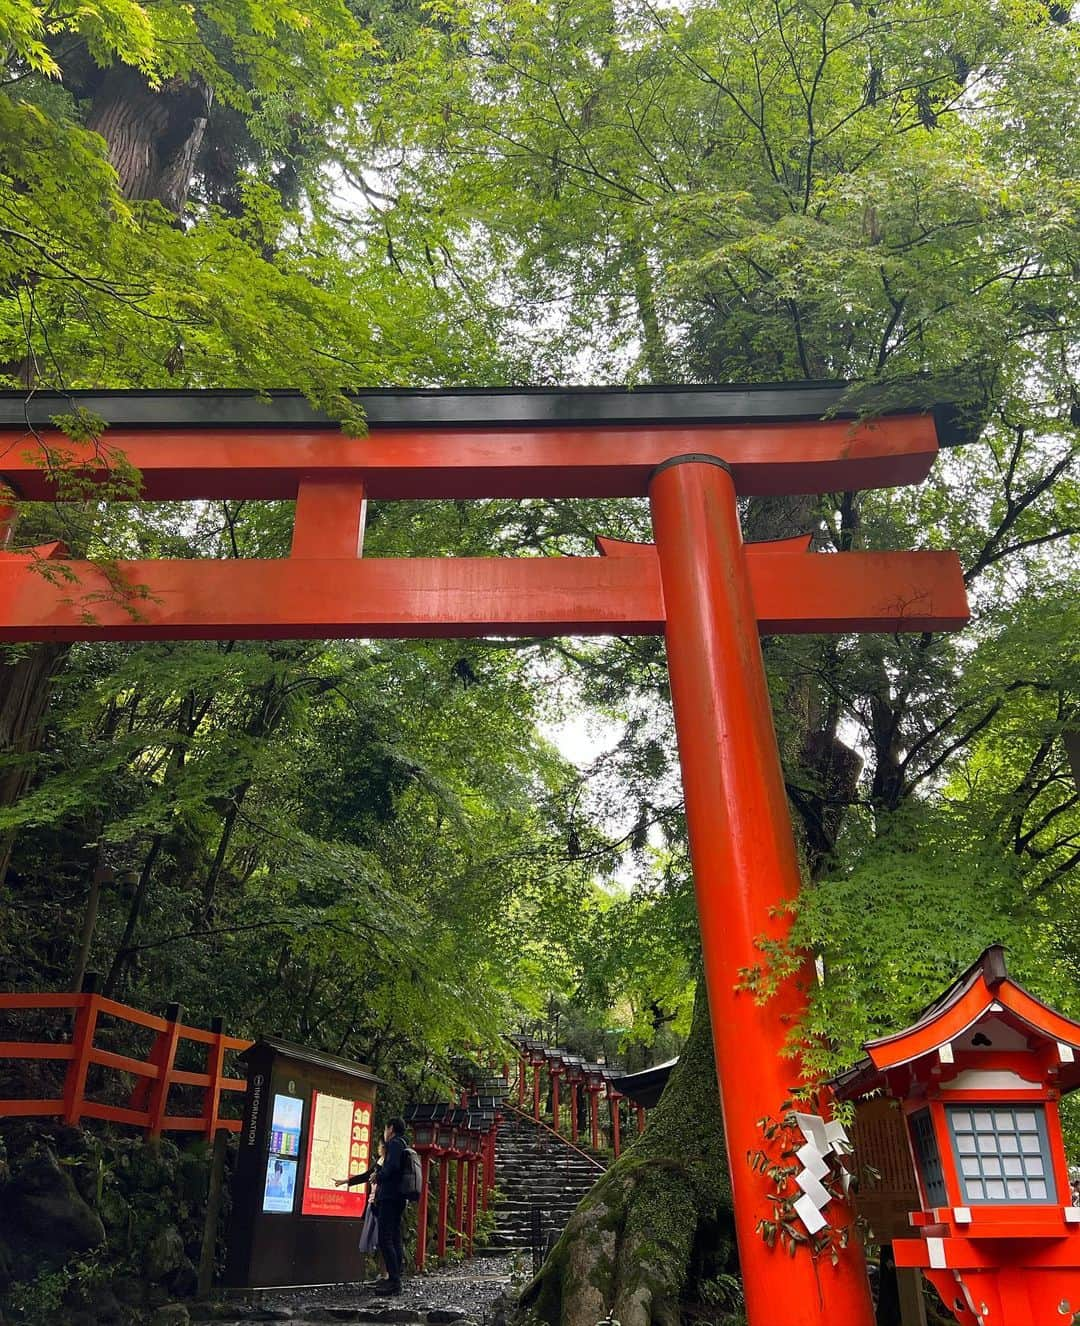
x=465, y=407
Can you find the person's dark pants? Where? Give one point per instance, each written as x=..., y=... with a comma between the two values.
x=389, y=1213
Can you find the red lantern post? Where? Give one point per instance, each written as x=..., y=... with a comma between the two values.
x=978, y=1077
x=474, y=1160
x=426, y=1123
x=573, y=1082
x=595, y=1085
x=615, y=1102
x=555, y=1069
x=421, y=1210
x=444, y=1201
x=459, y=1201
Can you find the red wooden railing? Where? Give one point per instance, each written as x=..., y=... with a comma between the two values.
x=148, y=1103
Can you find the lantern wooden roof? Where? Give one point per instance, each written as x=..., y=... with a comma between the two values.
x=983, y=1010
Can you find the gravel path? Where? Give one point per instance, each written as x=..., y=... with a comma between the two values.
x=464, y=1292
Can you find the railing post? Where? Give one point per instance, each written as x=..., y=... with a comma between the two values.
x=556, y=1073
x=536, y=1093
x=521, y=1082
x=594, y=1117
x=162, y=1057
x=215, y=1066
x=82, y=1039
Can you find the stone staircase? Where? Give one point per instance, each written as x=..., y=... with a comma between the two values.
x=533, y=1168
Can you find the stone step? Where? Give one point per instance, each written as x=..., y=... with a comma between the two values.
x=521, y=1210
x=525, y=1221
x=546, y=1164
x=535, y=1170
x=532, y=1194
x=536, y=1182
x=226, y=1314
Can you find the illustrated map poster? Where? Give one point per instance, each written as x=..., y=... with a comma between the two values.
x=339, y=1144
x=279, y=1191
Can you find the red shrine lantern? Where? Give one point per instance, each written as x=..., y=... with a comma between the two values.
x=978, y=1079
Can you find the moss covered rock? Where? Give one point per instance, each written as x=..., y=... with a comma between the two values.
x=41, y=1205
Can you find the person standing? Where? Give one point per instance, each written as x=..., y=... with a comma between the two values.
x=391, y=1204
x=389, y=1175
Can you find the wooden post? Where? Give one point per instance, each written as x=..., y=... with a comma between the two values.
x=594, y=1117
x=536, y=1093
x=573, y=1111
x=615, y=1100
x=912, y=1303
x=82, y=1039
x=213, y=1209
x=521, y=1082
x=556, y=1073
x=640, y=1110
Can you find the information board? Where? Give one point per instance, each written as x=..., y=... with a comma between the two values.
x=339, y=1144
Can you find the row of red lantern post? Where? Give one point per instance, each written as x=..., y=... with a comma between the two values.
x=581, y=1080
x=460, y=1142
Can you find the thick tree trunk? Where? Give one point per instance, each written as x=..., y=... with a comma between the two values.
x=25, y=686
x=153, y=136
x=658, y=1221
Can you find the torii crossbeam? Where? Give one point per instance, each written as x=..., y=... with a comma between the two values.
x=692, y=452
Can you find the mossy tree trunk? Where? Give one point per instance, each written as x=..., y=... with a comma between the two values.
x=658, y=1221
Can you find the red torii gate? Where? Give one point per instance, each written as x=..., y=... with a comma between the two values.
x=692, y=452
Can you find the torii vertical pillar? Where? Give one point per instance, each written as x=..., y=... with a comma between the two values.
x=745, y=868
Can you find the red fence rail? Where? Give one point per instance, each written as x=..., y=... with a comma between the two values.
x=148, y=1103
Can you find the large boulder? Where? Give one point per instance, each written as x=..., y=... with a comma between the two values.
x=42, y=1206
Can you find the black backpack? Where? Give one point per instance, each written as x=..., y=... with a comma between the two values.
x=411, y=1175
